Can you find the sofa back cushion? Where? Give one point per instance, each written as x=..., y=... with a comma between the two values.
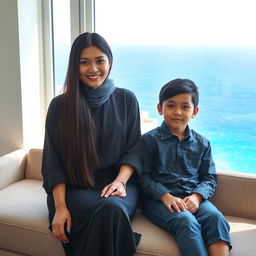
x=34, y=163
x=235, y=194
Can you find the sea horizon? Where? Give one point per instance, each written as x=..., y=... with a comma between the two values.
x=226, y=78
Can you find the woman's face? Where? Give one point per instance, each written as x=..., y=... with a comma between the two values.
x=93, y=66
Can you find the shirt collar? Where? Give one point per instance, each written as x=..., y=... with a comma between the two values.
x=165, y=133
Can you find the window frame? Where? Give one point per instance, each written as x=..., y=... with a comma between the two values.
x=82, y=18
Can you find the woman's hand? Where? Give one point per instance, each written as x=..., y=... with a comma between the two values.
x=116, y=188
x=192, y=202
x=61, y=217
x=173, y=203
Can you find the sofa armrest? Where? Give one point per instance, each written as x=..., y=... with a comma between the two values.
x=12, y=167
x=34, y=164
x=235, y=194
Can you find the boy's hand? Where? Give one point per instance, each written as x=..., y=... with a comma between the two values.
x=172, y=202
x=192, y=202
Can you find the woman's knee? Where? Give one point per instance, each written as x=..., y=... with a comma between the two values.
x=112, y=206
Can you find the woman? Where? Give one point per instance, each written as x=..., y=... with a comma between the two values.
x=89, y=157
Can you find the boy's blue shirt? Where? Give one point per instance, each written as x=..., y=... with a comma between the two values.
x=176, y=167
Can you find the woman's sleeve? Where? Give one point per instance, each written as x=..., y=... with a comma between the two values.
x=52, y=166
x=131, y=155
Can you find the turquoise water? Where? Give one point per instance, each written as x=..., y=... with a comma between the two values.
x=226, y=78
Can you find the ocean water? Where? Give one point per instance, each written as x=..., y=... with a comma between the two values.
x=226, y=77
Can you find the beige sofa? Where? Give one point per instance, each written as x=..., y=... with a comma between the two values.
x=24, y=216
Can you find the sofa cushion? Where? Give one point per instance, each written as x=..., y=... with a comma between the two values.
x=8, y=253
x=235, y=194
x=34, y=163
x=243, y=236
x=154, y=240
x=24, y=220
x=24, y=227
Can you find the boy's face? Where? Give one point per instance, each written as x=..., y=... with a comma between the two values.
x=177, y=112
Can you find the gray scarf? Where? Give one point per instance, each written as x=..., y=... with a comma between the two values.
x=96, y=97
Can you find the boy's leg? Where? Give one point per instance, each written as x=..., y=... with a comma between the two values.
x=183, y=226
x=219, y=248
x=214, y=226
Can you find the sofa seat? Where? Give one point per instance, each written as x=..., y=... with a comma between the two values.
x=24, y=215
x=243, y=237
x=24, y=220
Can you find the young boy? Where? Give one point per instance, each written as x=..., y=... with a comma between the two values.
x=179, y=176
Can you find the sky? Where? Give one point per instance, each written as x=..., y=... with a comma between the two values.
x=177, y=22
x=61, y=21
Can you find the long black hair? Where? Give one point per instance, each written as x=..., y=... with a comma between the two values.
x=77, y=128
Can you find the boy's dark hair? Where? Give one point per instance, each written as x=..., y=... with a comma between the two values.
x=178, y=86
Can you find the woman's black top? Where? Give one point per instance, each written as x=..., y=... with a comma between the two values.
x=118, y=133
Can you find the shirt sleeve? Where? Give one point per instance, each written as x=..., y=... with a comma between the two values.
x=207, y=175
x=52, y=167
x=149, y=186
x=130, y=155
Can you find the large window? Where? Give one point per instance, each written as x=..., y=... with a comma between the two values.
x=210, y=42
x=61, y=41
x=69, y=18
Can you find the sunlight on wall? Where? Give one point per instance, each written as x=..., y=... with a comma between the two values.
x=30, y=74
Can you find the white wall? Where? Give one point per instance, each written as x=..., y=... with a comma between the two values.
x=11, y=137
x=21, y=75
x=26, y=69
